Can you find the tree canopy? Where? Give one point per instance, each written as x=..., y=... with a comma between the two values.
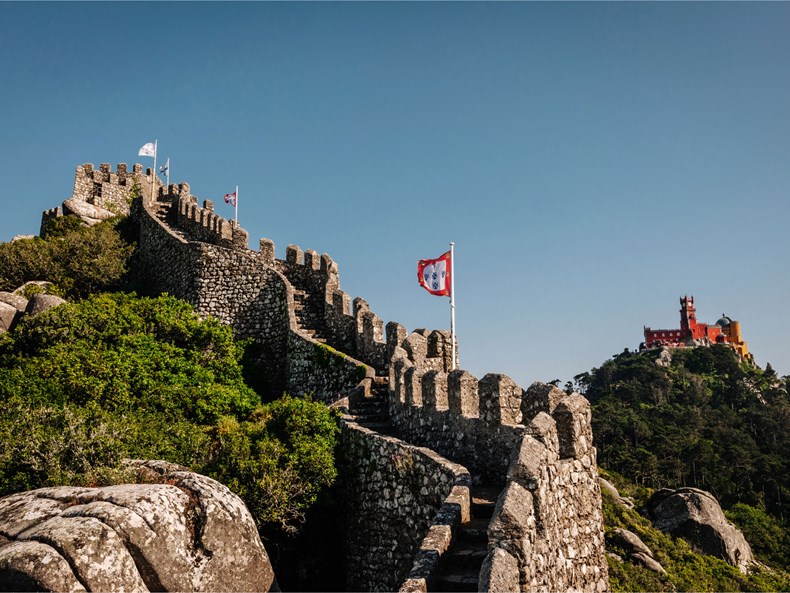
x=707, y=420
x=87, y=384
x=78, y=260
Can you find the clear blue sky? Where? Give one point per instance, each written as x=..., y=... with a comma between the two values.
x=592, y=161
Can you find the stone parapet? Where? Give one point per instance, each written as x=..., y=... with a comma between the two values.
x=402, y=504
x=108, y=189
x=548, y=520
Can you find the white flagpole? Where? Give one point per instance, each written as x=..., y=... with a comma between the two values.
x=452, y=304
x=237, y=205
x=168, y=171
x=153, y=174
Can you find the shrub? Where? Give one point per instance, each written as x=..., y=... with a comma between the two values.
x=279, y=460
x=78, y=260
x=87, y=384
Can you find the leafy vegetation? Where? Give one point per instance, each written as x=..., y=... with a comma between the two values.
x=706, y=420
x=686, y=570
x=115, y=376
x=78, y=260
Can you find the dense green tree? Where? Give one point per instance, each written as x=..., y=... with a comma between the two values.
x=87, y=384
x=707, y=420
x=78, y=260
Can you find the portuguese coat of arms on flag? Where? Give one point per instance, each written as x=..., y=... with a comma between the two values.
x=434, y=274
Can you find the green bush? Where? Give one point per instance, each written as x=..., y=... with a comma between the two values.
x=124, y=353
x=279, y=460
x=87, y=384
x=769, y=540
x=78, y=260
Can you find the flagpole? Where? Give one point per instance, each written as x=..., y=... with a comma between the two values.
x=237, y=205
x=168, y=171
x=452, y=303
x=153, y=173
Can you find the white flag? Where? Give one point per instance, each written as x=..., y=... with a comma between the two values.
x=148, y=150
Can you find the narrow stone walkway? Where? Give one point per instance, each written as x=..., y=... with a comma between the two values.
x=460, y=567
x=163, y=210
x=308, y=319
x=373, y=412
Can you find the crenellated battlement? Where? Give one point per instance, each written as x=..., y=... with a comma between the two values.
x=546, y=533
x=108, y=189
x=201, y=222
x=547, y=530
x=470, y=419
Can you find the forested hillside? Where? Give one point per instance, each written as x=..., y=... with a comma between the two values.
x=703, y=419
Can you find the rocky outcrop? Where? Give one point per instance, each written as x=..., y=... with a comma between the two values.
x=88, y=213
x=39, y=303
x=635, y=548
x=15, y=300
x=614, y=494
x=179, y=531
x=695, y=515
x=8, y=315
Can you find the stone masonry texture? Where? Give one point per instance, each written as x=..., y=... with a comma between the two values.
x=403, y=497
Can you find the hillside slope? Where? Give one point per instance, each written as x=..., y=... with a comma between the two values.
x=702, y=418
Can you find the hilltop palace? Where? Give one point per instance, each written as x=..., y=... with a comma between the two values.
x=693, y=333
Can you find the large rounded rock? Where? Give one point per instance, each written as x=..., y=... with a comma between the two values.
x=637, y=550
x=695, y=515
x=185, y=532
x=8, y=314
x=89, y=213
x=15, y=300
x=39, y=303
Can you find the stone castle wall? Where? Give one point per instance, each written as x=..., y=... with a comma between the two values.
x=401, y=503
x=476, y=422
x=236, y=286
x=111, y=190
x=547, y=532
x=351, y=328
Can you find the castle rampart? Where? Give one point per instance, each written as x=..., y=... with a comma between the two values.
x=405, y=496
x=475, y=422
x=548, y=521
x=403, y=502
x=238, y=287
x=111, y=190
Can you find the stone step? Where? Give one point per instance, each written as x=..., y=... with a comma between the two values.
x=462, y=580
x=381, y=427
x=475, y=530
x=465, y=557
x=370, y=404
x=484, y=499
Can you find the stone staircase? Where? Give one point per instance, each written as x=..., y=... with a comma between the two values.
x=373, y=411
x=308, y=317
x=162, y=210
x=460, y=566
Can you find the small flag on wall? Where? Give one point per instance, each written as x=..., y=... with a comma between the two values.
x=434, y=274
x=148, y=149
x=165, y=169
x=230, y=199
